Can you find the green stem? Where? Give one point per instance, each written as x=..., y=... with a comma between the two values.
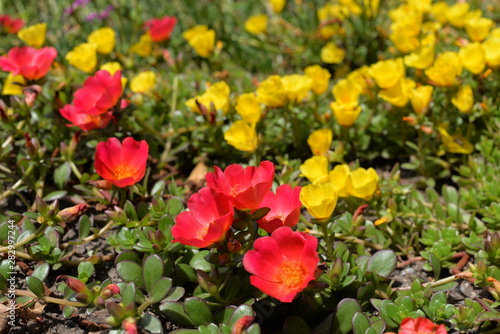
x=329, y=247
x=32, y=236
x=49, y=299
x=75, y=169
x=173, y=107
x=18, y=183
x=143, y=306
x=93, y=236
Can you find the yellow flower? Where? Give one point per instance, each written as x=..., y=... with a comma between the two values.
x=399, y=94
x=492, y=51
x=248, y=108
x=339, y=176
x=421, y=58
x=242, y=136
x=315, y=169
x=464, y=100
x=371, y=7
x=104, y=38
x=362, y=183
x=404, y=43
x=112, y=67
x=456, y=143
x=319, y=141
x=83, y=57
x=345, y=107
x=439, y=10
x=495, y=32
x=326, y=14
x=144, y=47
x=201, y=39
x=143, y=82
x=361, y=77
x=271, y=92
x=421, y=5
x=331, y=54
x=446, y=69
x=473, y=57
x=420, y=98
x=456, y=14
x=296, y=87
x=13, y=85
x=277, y=5
x=406, y=20
x=350, y=7
x=33, y=35
x=256, y=24
x=217, y=95
x=478, y=28
x=320, y=77
x=388, y=72
x=319, y=199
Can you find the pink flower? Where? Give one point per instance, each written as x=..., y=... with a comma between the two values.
x=29, y=62
x=10, y=24
x=99, y=93
x=160, y=29
x=282, y=264
x=83, y=120
x=207, y=221
x=122, y=164
x=285, y=208
x=420, y=326
x=246, y=187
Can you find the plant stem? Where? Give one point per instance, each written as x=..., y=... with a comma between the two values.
x=49, y=299
x=91, y=237
x=32, y=236
x=18, y=183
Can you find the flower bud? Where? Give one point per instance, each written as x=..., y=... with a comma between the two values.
x=71, y=212
x=73, y=283
x=130, y=325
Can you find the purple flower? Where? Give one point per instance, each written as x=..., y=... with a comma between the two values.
x=100, y=16
x=75, y=5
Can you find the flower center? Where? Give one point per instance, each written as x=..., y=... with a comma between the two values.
x=234, y=190
x=291, y=274
x=122, y=171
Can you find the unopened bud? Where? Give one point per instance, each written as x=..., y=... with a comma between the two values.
x=71, y=212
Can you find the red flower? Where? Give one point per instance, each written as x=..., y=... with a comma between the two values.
x=11, y=25
x=122, y=164
x=282, y=264
x=99, y=93
x=420, y=326
x=285, y=208
x=247, y=187
x=160, y=29
x=29, y=62
x=207, y=221
x=83, y=120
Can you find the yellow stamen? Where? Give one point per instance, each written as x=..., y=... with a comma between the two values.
x=291, y=274
x=122, y=171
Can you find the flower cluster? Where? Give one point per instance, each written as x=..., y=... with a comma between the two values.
x=291, y=257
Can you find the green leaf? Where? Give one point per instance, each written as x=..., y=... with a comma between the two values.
x=83, y=227
x=489, y=316
x=130, y=211
x=255, y=329
x=259, y=213
x=68, y=311
x=174, y=206
x=158, y=188
x=62, y=174
x=382, y=263
x=151, y=323
x=128, y=255
x=85, y=270
x=160, y=289
x=128, y=294
x=198, y=311
x=342, y=319
x=130, y=272
x=241, y=311
x=35, y=286
x=152, y=271
x=176, y=293
x=187, y=272
x=198, y=261
x=379, y=326
x=55, y=195
x=41, y=272
x=360, y=323
x=296, y=325
x=174, y=311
